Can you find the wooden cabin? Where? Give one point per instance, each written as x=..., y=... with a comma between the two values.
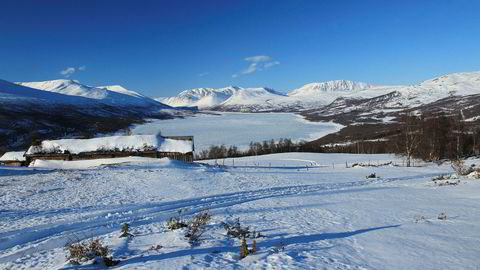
x=152, y=146
x=13, y=159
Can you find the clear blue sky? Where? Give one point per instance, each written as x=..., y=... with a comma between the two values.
x=162, y=47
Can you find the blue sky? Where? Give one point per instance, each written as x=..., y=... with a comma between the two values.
x=162, y=47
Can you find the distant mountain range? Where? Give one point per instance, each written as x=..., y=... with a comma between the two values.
x=316, y=95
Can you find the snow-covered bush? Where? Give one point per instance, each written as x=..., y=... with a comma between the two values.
x=89, y=250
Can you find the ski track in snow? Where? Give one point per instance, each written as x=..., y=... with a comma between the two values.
x=58, y=234
x=62, y=225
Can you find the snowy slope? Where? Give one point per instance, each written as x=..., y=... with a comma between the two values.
x=14, y=93
x=313, y=213
x=122, y=90
x=111, y=95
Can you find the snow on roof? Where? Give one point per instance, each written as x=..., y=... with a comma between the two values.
x=134, y=143
x=18, y=156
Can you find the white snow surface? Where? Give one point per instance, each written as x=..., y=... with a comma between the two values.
x=324, y=216
x=14, y=155
x=113, y=143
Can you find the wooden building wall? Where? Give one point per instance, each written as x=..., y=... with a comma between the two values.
x=188, y=157
x=13, y=163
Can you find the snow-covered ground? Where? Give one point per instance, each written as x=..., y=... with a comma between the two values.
x=239, y=128
x=313, y=211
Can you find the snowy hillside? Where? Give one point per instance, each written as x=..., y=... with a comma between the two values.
x=112, y=95
x=67, y=108
x=311, y=211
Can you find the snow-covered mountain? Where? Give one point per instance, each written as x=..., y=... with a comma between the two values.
x=201, y=97
x=112, y=95
x=21, y=95
x=337, y=86
x=230, y=98
x=234, y=98
x=320, y=94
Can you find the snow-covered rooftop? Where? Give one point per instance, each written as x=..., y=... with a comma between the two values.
x=17, y=156
x=135, y=143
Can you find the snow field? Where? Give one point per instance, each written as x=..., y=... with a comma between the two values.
x=320, y=218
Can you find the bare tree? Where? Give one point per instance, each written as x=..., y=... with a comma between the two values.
x=410, y=137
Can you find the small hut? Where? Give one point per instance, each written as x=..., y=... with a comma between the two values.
x=13, y=159
x=153, y=146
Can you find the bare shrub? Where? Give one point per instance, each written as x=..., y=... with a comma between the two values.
x=196, y=227
x=460, y=169
x=442, y=216
x=156, y=248
x=234, y=229
x=88, y=250
x=420, y=218
x=446, y=183
x=279, y=247
x=177, y=222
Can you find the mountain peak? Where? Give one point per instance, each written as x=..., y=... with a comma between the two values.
x=318, y=88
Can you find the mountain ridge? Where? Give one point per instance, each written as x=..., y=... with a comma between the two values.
x=319, y=94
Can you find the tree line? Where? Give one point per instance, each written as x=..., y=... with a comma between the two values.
x=255, y=148
x=436, y=137
x=430, y=137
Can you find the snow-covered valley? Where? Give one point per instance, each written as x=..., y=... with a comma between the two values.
x=313, y=213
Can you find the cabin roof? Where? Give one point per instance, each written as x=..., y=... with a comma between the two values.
x=13, y=156
x=133, y=143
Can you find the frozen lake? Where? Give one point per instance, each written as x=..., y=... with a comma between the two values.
x=239, y=128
